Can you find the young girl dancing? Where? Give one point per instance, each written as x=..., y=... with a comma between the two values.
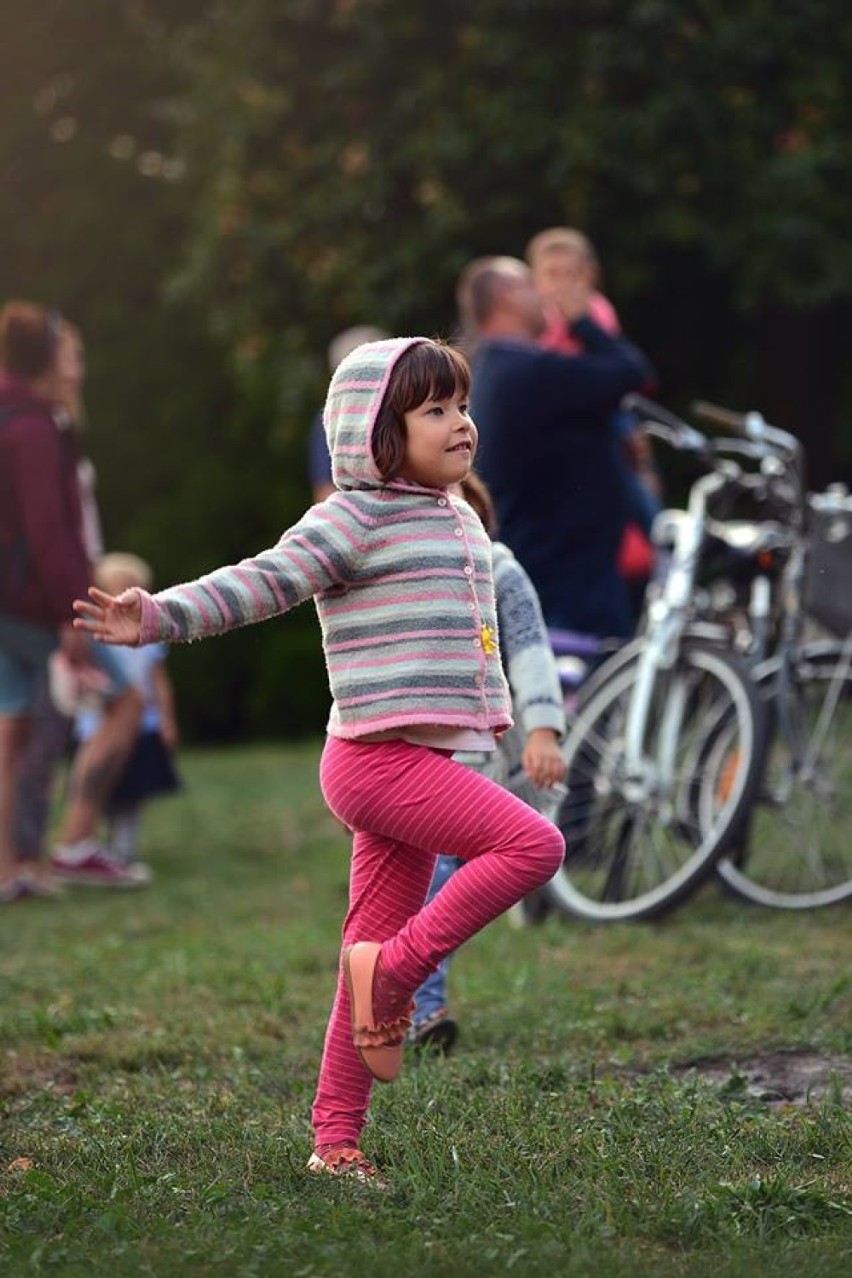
x=400, y=571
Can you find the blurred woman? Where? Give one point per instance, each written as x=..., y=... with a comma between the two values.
x=48, y=534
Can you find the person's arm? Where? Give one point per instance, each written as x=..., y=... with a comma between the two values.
x=165, y=701
x=93, y=537
x=52, y=528
x=609, y=367
x=316, y=554
x=643, y=505
x=542, y=759
x=537, y=701
x=319, y=461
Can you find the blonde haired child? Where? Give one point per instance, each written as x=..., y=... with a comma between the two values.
x=150, y=771
x=564, y=263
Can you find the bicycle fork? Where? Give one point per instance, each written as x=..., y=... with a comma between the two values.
x=646, y=777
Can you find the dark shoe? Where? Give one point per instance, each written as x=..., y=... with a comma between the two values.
x=435, y=1034
x=530, y=910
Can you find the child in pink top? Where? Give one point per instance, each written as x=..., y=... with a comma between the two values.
x=400, y=570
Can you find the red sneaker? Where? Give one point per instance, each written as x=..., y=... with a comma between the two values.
x=92, y=866
x=378, y=1031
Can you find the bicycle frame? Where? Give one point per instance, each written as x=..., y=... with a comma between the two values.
x=670, y=615
x=668, y=618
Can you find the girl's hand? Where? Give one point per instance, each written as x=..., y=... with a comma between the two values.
x=542, y=758
x=110, y=618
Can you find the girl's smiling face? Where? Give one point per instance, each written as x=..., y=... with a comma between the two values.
x=440, y=442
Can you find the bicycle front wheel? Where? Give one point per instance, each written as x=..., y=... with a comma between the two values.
x=640, y=839
x=796, y=851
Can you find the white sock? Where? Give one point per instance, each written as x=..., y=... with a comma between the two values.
x=74, y=853
x=124, y=835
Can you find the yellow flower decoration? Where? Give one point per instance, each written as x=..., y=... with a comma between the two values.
x=488, y=639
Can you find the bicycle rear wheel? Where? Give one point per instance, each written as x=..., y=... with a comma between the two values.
x=639, y=844
x=796, y=851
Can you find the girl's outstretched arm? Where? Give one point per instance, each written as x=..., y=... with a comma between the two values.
x=321, y=551
x=165, y=699
x=110, y=618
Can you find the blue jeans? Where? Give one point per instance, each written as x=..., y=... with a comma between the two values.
x=49, y=730
x=24, y=652
x=432, y=994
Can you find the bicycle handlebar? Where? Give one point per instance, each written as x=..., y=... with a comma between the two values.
x=751, y=426
x=748, y=436
x=724, y=418
x=674, y=431
x=634, y=403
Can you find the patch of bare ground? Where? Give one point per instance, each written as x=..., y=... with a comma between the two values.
x=779, y=1078
x=25, y=1073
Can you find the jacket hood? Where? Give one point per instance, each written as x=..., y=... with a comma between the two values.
x=352, y=405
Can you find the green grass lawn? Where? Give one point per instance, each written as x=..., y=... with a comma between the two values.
x=160, y=1051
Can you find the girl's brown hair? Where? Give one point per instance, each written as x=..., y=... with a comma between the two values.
x=430, y=370
x=476, y=494
x=29, y=335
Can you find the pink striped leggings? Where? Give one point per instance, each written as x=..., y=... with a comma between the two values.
x=407, y=803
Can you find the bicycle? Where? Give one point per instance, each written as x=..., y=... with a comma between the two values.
x=794, y=851
x=640, y=833
x=670, y=755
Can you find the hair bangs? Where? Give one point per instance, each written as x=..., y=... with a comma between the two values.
x=431, y=370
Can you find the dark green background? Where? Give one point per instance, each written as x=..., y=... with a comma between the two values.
x=212, y=190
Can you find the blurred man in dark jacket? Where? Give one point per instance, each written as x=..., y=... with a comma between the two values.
x=546, y=449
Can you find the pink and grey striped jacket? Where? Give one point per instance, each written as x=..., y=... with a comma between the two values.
x=400, y=575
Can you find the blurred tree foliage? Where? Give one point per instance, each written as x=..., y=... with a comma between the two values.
x=95, y=217
x=214, y=189
x=353, y=155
